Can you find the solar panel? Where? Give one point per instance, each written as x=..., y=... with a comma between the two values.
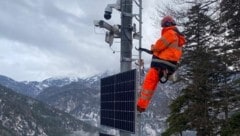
x=101, y=134
x=118, y=101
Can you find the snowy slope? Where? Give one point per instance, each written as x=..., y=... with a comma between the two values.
x=81, y=98
x=33, y=88
x=24, y=116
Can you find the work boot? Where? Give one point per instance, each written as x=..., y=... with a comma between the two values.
x=140, y=109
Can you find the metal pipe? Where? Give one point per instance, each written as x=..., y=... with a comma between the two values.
x=140, y=60
x=126, y=35
x=126, y=41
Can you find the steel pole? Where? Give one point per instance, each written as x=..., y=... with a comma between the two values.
x=126, y=35
x=126, y=41
x=140, y=61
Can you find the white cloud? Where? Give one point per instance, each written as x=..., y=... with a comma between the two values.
x=70, y=7
x=42, y=38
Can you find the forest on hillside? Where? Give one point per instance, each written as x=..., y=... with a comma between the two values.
x=209, y=104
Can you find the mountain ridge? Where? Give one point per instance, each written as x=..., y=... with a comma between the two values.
x=21, y=115
x=81, y=99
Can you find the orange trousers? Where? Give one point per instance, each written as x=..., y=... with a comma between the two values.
x=148, y=88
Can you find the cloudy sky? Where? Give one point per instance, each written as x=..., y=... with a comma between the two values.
x=56, y=38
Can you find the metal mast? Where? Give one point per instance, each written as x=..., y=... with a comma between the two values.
x=126, y=35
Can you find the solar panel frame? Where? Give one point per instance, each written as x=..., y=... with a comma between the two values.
x=118, y=100
x=102, y=134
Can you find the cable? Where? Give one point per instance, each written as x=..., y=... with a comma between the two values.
x=113, y=50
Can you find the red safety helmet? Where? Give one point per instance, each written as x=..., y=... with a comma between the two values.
x=168, y=21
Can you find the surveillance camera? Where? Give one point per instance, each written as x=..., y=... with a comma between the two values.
x=108, y=9
x=107, y=15
x=108, y=12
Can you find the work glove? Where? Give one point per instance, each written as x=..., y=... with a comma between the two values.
x=152, y=47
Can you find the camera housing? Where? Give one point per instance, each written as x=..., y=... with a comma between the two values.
x=108, y=12
x=108, y=9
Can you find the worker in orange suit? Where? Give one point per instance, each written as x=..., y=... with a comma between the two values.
x=166, y=53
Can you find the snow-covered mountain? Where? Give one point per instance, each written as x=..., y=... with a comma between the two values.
x=19, y=87
x=50, y=82
x=81, y=98
x=33, y=88
x=23, y=116
x=77, y=96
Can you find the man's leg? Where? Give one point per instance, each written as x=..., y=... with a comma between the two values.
x=148, y=88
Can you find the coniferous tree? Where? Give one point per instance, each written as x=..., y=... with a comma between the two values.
x=211, y=60
x=190, y=111
x=230, y=20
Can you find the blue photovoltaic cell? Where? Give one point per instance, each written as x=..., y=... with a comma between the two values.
x=101, y=134
x=118, y=101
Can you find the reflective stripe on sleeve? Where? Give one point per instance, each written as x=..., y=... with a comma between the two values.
x=165, y=41
x=175, y=46
x=169, y=45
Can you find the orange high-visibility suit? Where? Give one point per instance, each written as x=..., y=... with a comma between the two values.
x=167, y=51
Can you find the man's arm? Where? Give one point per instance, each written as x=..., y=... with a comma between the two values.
x=164, y=41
